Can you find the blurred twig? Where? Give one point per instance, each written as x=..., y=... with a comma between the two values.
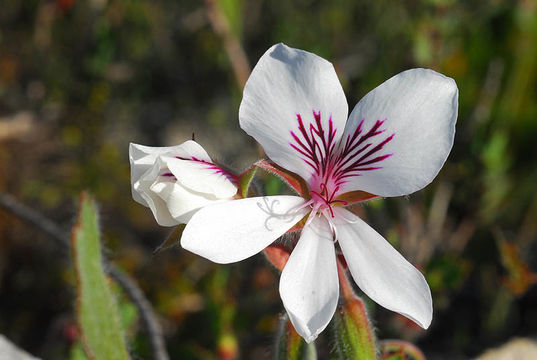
x=528, y=230
x=233, y=47
x=488, y=94
x=425, y=232
x=131, y=288
x=46, y=13
x=458, y=239
x=32, y=217
x=234, y=50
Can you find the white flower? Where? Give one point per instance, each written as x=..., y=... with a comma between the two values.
x=394, y=143
x=176, y=181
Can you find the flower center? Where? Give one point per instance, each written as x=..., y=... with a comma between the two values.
x=333, y=162
x=324, y=200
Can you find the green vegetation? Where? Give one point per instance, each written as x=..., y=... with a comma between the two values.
x=79, y=80
x=97, y=311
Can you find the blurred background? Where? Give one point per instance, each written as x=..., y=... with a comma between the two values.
x=80, y=79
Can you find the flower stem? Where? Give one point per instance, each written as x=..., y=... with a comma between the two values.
x=354, y=334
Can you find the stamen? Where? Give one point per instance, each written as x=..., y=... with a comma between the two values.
x=333, y=227
x=303, y=206
x=312, y=214
x=324, y=198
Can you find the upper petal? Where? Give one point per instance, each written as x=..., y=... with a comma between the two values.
x=309, y=285
x=381, y=272
x=284, y=84
x=235, y=230
x=419, y=108
x=142, y=158
x=203, y=177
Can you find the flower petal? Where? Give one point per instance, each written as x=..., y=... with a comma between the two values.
x=142, y=158
x=287, y=82
x=142, y=188
x=170, y=202
x=202, y=177
x=381, y=272
x=181, y=202
x=419, y=107
x=309, y=285
x=235, y=230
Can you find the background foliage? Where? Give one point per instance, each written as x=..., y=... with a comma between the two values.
x=80, y=79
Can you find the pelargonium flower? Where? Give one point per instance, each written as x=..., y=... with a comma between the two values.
x=393, y=143
x=176, y=181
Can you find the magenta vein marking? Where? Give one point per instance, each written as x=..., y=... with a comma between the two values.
x=358, y=152
x=210, y=166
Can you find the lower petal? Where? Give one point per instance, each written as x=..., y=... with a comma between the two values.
x=182, y=203
x=381, y=272
x=309, y=285
x=235, y=230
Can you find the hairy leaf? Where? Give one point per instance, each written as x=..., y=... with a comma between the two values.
x=97, y=310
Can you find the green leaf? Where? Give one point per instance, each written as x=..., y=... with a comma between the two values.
x=77, y=353
x=97, y=310
x=291, y=346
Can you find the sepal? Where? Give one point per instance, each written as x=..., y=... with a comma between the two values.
x=277, y=255
x=354, y=336
x=295, y=182
x=399, y=350
x=173, y=239
x=245, y=181
x=353, y=197
x=290, y=345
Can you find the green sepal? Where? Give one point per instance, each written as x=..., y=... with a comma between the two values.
x=354, y=336
x=290, y=345
x=399, y=350
x=354, y=197
x=294, y=181
x=173, y=239
x=245, y=180
x=353, y=333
